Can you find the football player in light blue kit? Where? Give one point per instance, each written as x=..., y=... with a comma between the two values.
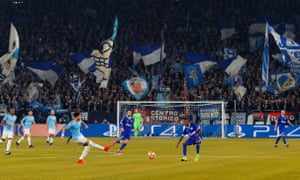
x=74, y=127
x=193, y=131
x=26, y=122
x=126, y=126
x=51, y=124
x=8, y=123
x=280, y=124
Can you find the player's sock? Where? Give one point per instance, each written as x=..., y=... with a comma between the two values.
x=197, y=149
x=277, y=139
x=117, y=141
x=91, y=143
x=29, y=141
x=136, y=134
x=123, y=146
x=8, y=145
x=112, y=144
x=69, y=139
x=283, y=139
x=48, y=139
x=197, y=157
x=184, y=149
x=51, y=140
x=20, y=140
x=85, y=151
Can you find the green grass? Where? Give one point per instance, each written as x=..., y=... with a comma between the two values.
x=219, y=159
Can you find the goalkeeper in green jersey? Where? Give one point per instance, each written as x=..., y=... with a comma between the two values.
x=137, y=121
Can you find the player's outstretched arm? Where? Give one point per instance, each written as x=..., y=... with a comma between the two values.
x=179, y=141
x=275, y=126
x=84, y=124
x=3, y=122
x=23, y=122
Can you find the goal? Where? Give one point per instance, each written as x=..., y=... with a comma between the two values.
x=164, y=118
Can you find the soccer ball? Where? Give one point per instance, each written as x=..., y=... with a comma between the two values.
x=151, y=155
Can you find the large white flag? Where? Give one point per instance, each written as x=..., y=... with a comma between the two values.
x=9, y=60
x=232, y=65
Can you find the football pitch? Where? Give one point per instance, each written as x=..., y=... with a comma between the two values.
x=219, y=159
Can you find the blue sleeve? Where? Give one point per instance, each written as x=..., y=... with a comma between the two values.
x=68, y=126
x=122, y=123
x=5, y=118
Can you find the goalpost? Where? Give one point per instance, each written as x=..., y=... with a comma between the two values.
x=164, y=118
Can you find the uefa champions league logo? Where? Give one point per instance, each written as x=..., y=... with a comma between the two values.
x=237, y=132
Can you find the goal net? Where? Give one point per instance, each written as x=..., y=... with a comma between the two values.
x=164, y=118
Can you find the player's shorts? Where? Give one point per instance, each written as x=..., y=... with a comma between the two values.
x=26, y=131
x=125, y=136
x=80, y=140
x=51, y=131
x=7, y=134
x=281, y=130
x=193, y=140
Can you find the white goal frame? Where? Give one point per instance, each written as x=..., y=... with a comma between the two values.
x=222, y=103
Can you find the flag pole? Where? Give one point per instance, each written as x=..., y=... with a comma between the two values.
x=161, y=55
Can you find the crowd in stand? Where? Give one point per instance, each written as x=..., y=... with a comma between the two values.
x=52, y=30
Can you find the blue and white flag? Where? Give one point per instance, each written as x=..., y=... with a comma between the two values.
x=290, y=50
x=136, y=54
x=286, y=30
x=265, y=60
x=150, y=54
x=294, y=67
x=278, y=57
x=228, y=53
x=193, y=76
x=283, y=81
x=46, y=70
x=226, y=31
x=84, y=61
x=136, y=86
x=9, y=60
x=205, y=62
x=233, y=65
